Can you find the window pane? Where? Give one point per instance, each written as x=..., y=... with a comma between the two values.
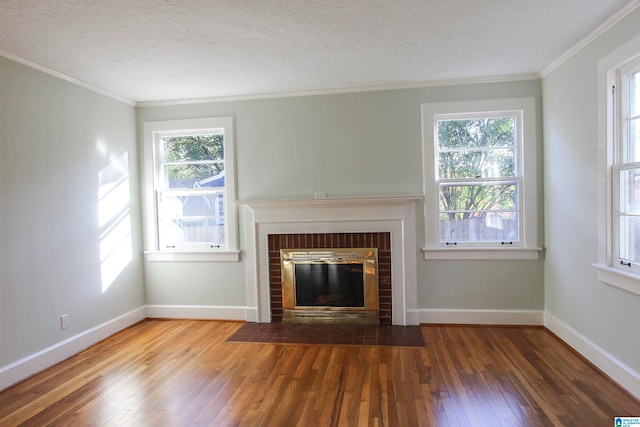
x=476, y=198
x=194, y=175
x=480, y=227
x=634, y=94
x=491, y=163
x=485, y=132
x=479, y=213
x=629, y=238
x=193, y=148
x=630, y=191
x=189, y=161
x=191, y=231
x=195, y=218
x=629, y=222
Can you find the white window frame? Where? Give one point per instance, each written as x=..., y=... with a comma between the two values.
x=153, y=131
x=526, y=248
x=609, y=270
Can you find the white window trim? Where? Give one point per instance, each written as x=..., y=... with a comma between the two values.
x=229, y=252
x=607, y=271
x=527, y=249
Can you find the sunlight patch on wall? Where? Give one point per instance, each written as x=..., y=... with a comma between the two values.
x=114, y=219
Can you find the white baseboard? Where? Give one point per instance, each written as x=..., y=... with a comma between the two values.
x=413, y=317
x=252, y=315
x=482, y=317
x=614, y=368
x=34, y=363
x=208, y=312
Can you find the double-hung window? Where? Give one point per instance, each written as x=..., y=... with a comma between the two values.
x=619, y=154
x=190, y=189
x=626, y=169
x=479, y=201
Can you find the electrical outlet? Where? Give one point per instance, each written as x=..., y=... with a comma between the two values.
x=320, y=194
x=64, y=321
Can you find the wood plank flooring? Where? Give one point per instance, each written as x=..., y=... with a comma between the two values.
x=183, y=373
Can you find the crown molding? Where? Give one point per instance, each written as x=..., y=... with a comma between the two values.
x=600, y=30
x=64, y=77
x=163, y=103
x=434, y=83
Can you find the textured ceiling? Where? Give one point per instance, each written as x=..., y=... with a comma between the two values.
x=151, y=50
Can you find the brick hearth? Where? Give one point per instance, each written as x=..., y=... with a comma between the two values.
x=381, y=241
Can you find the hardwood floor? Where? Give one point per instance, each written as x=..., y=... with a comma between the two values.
x=183, y=373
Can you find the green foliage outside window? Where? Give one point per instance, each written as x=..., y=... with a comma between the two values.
x=476, y=166
x=190, y=159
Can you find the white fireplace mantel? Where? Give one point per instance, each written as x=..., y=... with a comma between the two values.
x=395, y=215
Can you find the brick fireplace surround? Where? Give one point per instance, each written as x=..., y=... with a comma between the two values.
x=381, y=241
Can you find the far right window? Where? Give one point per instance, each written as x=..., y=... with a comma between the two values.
x=626, y=167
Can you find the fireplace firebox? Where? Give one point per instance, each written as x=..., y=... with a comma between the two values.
x=330, y=285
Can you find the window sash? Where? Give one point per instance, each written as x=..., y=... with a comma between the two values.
x=626, y=190
x=628, y=141
x=495, y=224
x=200, y=229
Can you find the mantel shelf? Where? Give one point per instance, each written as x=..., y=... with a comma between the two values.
x=376, y=200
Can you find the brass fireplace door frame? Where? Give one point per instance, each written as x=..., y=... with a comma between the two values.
x=368, y=257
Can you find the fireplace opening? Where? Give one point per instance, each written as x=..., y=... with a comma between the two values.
x=330, y=285
x=323, y=284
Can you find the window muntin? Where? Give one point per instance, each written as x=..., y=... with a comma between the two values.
x=190, y=189
x=477, y=175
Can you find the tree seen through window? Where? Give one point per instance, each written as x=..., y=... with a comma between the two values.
x=478, y=185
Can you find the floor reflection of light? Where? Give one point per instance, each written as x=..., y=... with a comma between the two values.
x=121, y=393
x=114, y=219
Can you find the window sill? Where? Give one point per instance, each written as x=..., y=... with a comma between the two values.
x=226, y=256
x=482, y=253
x=629, y=282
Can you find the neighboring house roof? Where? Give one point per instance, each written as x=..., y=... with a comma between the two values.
x=199, y=205
x=212, y=181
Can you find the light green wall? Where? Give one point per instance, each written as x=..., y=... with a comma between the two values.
x=352, y=144
x=607, y=316
x=196, y=283
x=49, y=250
